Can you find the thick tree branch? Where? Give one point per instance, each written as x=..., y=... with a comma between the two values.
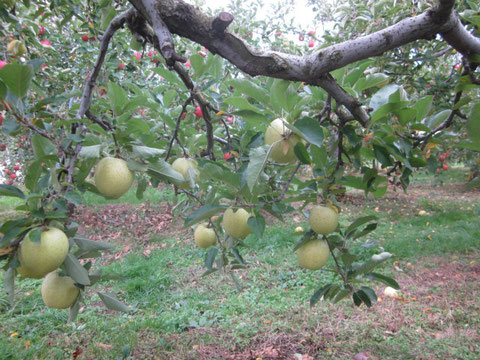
x=187, y=21
x=116, y=24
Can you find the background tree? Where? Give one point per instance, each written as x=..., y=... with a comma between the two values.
x=364, y=105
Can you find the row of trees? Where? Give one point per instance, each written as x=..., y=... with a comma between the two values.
x=149, y=81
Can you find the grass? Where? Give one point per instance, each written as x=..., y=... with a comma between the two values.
x=180, y=315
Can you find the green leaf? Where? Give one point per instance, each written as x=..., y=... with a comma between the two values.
x=203, y=213
x=422, y=107
x=278, y=95
x=10, y=190
x=3, y=90
x=473, y=124
x=90, y=245
x=437, y=119
x=384, y=279
x=310, y=130
x=198, y=65
x=35, y=235
x=92, y=151
x=317, y=295
x=74, y=197
x=141, y=187
x=9, y=284
x=258, y=160
x=301, y=153
x=74, y=309
x=118, y=98
x=146, y=152
x=257, y=224
x=33, y=174
x=247, y=87
x=382, y=155
x=210, y=257
x=305, y=238
x=382, y=96
x=42, y=146
x=112, y=303
x=75, y=270
x=17, y=78
x=242, y=104
x=341, y=295
x=378, y=79
x=359, y=222
x=163, y=170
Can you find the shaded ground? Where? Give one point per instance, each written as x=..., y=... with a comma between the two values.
x=433, y=290
x=430, y=297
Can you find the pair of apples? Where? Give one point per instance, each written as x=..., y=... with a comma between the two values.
x=42, y=259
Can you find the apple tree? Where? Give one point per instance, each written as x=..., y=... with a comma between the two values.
x=244, y=118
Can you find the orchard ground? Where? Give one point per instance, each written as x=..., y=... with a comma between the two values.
x=180, y=315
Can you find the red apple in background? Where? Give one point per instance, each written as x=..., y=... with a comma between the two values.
x=16, y=167
x=2, y=63
x=41, y=31
x=438, y=170
x=13, y=176
x=85, y=38
x=187, y=64
x=7, y=172
x=301, y=37
x=184, y=114
x=121, y=65
x=202, y=53
x=311, y=43
x=311, y=33
x=445, y=167
x=227, y=156
x=198, y=112
x=45, y=43
x=1, y=120
x=3, y=147
x=229, y=119
x=138, y=55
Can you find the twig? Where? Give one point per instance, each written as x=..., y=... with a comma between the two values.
x=177, y=127
x=340, y=270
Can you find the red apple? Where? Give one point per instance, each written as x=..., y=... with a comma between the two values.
x=438, y=170
x=445, y=167
x=198, y=112
x=184, y=114
x=2, y=63
x=1, y=119
x=311, y=43
x=7, y=172
x=138, y=55
x=311, y=33
x=16, y=167
x=85, y=38
x=41, y=31
x=3, y=147
x=229, y=119
x=227, y=156
x=45, y=43
x=187, y=64
x=13, y=176
x=301, y=37
x=121, y=65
